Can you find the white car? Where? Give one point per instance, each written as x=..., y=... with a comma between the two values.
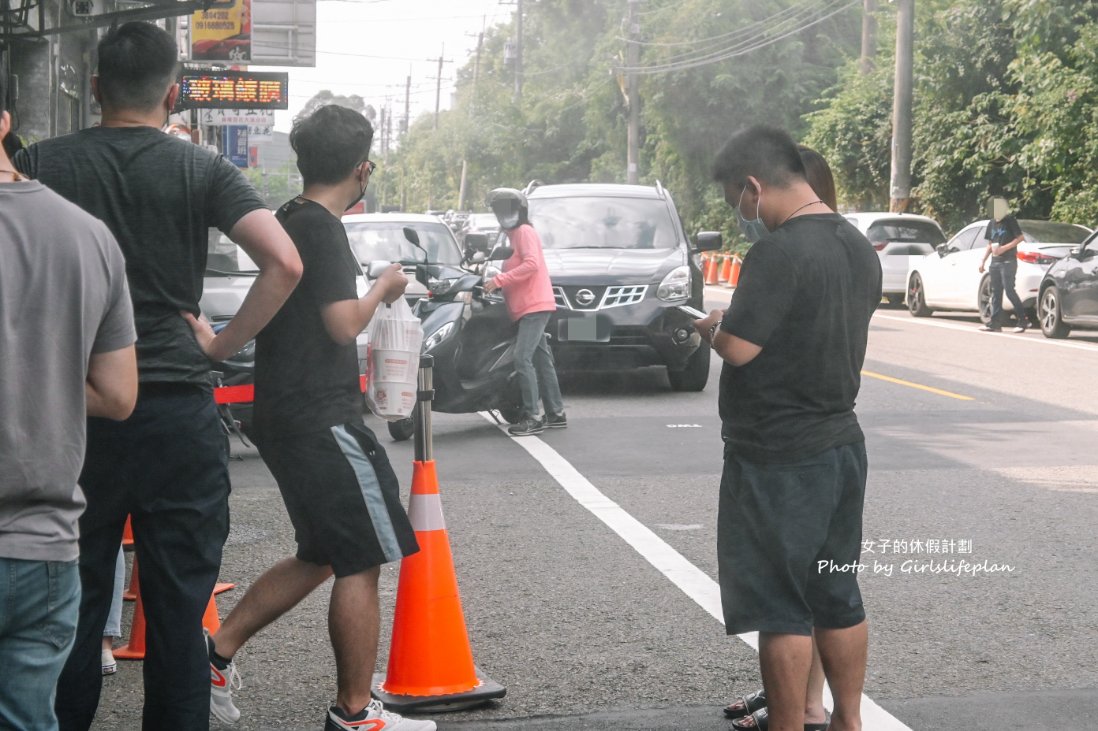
x=950, y=278
x=380, y=237
x=900, y=239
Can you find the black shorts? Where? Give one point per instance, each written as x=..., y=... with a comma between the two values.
x=342, y=497
x=789, y=540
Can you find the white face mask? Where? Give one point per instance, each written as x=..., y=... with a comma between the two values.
x=510, y=221
x=753, y=229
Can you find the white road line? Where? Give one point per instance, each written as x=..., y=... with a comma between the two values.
x=1042, y=340
x=693, y=582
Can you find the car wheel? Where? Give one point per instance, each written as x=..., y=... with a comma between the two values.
x=983, y=300
x=696, y=373
x=1048, y=310
x=401, y=430
x=895, y=300
x=916, y=297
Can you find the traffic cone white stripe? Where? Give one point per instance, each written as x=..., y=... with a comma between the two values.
x=425, y=512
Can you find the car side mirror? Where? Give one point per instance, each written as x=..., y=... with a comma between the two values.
x=1076, y=252
x=476, y=242
x=501, y=253
x=477, y=257
x=942, y=249
x=708, y=241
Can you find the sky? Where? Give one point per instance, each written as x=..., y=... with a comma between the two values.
x=370, y=47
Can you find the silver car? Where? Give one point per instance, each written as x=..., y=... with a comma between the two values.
x=900, y=239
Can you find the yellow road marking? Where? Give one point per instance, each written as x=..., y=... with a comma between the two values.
x=931, y=389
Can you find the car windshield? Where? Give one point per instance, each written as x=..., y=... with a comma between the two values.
x=385, y=241
x=224, y=258
x=1052, y=232
x=907, y=232
x=602, y=222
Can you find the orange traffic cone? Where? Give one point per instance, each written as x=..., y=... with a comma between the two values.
x=430, y=661
x=711, y=270
x=734, y=274
x=211, y=620
x=135, y=648
x=135, y=587
x=726, y=268
x=127, y=535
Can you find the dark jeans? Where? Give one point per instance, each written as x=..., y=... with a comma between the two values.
x=535, y=368
x=167, y=467
x=1002, y=281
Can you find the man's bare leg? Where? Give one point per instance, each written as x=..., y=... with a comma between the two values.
x=814, y=711
x=843, y=652
x=353, y=628
x=276, y=592
x=784, y=661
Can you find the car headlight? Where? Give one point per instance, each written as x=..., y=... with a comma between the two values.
x=432, y=340
x=441, y=286
x=676, y=285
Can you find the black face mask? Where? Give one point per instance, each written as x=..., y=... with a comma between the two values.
x=361, y=195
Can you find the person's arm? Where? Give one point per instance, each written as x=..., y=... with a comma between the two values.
x=111, y=384
x=987, y=253
x=262, y=237
x=525, y=268
x=729, y=348
x=345, y=319
x=1012, y=244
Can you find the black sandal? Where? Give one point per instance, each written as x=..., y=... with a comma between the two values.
x=748, y=705
x=762, y=722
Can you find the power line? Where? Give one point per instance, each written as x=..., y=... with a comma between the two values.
x=686, y=61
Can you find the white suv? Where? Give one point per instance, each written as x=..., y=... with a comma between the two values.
x=900, y=239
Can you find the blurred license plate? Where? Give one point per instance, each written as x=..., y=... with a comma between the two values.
x=584, y=329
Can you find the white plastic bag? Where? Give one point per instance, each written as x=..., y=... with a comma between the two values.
x=392, y=374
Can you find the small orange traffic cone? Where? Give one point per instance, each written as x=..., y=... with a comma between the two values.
x=127, y=535
x=135, y=648
x=430, y=660
x=211, y=620
x=734, y=274
x=711, y=269
x=134, y=589
x=726, y=268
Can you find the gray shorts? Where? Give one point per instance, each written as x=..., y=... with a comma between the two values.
x=789, y=539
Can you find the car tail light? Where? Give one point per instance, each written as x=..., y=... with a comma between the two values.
x=1036, y=257
x=880, y=245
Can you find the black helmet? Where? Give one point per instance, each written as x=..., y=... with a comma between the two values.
x=506, y=203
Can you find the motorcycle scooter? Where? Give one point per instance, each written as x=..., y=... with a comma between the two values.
x=471, y=338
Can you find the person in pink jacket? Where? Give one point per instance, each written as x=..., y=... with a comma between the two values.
x=529, y=296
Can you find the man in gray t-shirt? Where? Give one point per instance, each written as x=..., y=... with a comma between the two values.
x=66, y=349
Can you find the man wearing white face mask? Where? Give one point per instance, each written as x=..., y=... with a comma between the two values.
x=793, y=341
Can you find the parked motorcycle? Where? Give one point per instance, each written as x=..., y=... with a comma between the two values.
x=471, y=337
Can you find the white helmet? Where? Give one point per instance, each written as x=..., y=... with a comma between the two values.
x=510, y=206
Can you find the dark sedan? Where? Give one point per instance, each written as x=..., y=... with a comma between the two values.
x=1069, y=292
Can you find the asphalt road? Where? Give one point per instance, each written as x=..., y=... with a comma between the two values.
x=590, y=597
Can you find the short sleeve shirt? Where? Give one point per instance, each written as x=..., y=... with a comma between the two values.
x=304, y=380
x=806, y=294
x=1003, y=232
x=159, y=195
x=63, y=298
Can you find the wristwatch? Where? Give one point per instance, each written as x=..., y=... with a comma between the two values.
x=712, y=333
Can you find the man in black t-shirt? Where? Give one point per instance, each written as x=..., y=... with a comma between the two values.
x=340, y=491
x=166, y=465
x=1003, y=234
x=793, y=340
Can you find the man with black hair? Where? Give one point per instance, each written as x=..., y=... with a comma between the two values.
x=793, y=340
x=66, y=352
x=340, y=491
x=166, y=465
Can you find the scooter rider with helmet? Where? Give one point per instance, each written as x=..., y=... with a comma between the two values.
x=529, y=297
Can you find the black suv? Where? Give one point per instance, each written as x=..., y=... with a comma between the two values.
x=622, y=270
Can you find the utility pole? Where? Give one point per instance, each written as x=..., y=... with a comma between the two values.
x=869, y=36
x=632, y=57
x=518, y=52
x=900, y=187
x=407, y=102
x=438, y=81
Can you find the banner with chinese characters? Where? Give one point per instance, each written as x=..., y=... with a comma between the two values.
x=223, y=34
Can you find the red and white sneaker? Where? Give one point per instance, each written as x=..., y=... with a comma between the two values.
x=222, y=683
x=373, y=718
